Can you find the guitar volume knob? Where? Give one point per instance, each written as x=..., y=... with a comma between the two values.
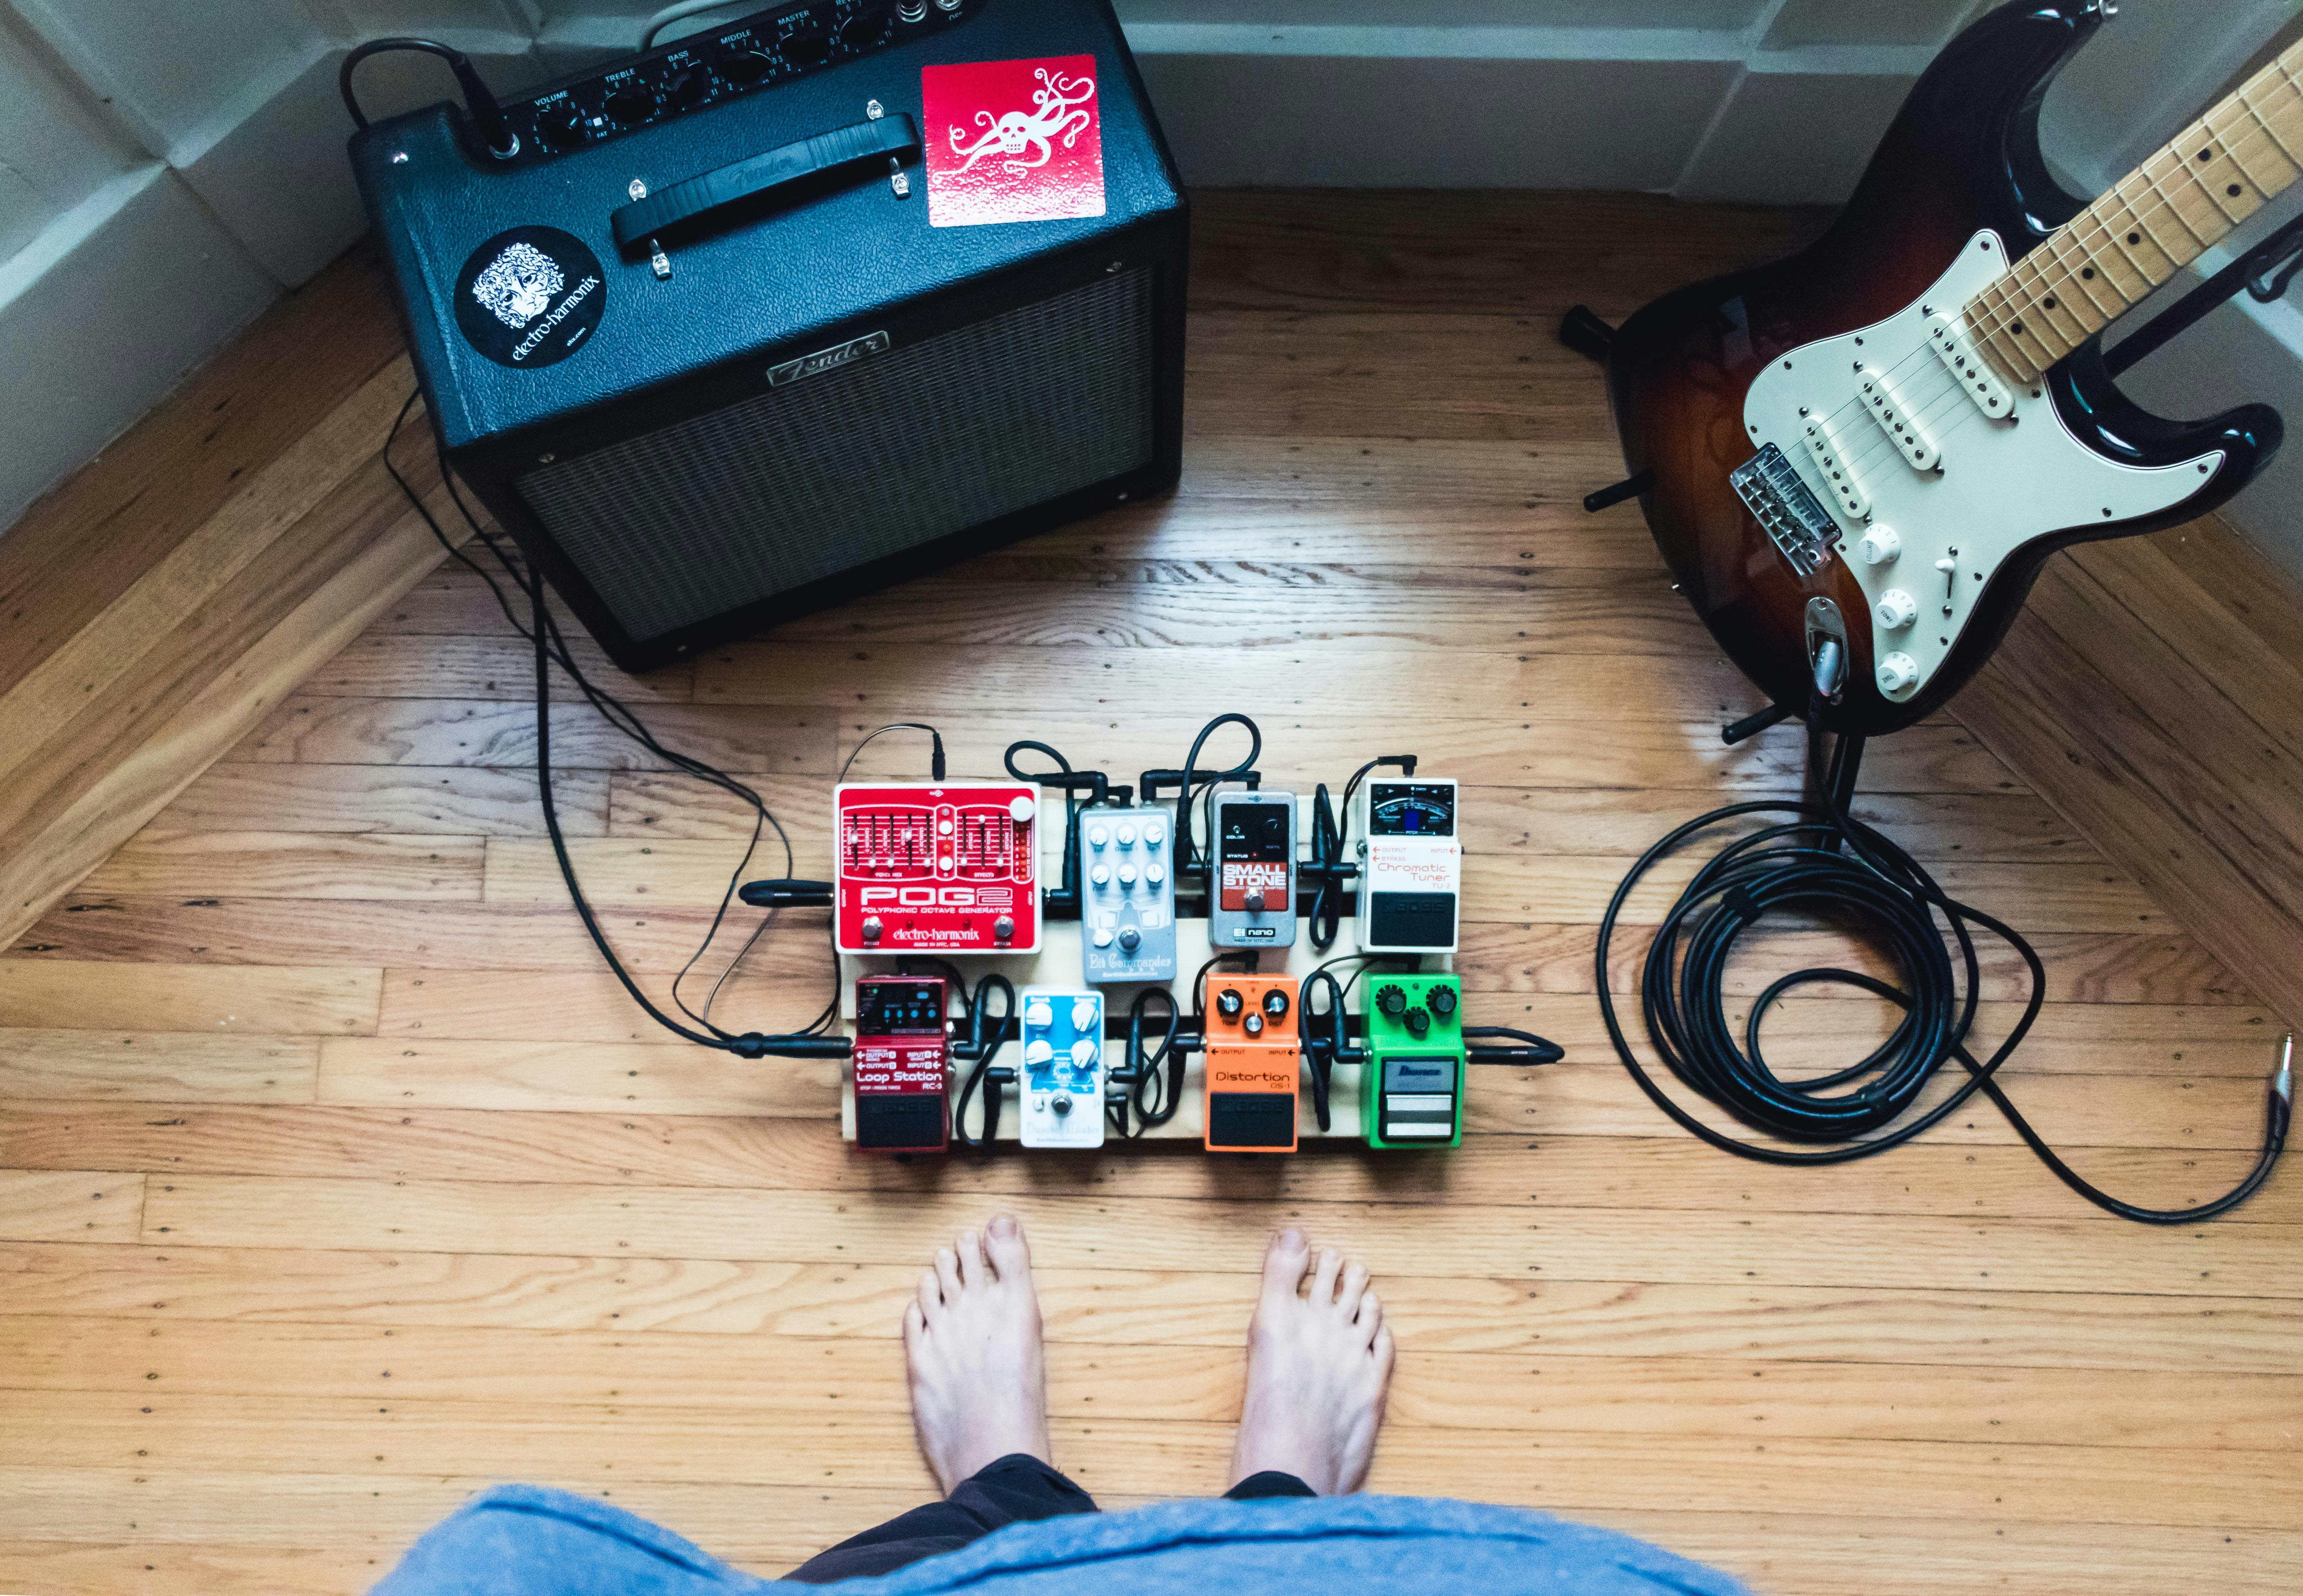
x=1896, y=609
x=1881, y=546
x=1897, y=671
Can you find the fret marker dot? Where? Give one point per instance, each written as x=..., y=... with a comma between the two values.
x=2134, y=237
x=2233, y=191
x=2206, y=154
x=2051, y=302
x=2088, y=274
x=2017, y=329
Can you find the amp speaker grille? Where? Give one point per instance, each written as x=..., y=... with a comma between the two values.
x=820, y=476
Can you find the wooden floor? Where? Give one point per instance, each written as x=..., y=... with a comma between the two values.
x=337, y=1179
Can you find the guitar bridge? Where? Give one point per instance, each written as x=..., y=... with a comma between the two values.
x=1787, y=509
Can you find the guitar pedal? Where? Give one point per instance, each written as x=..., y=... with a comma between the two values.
x=1252, y=897
x=1255, y=1063
x=1063, y=1073
x=1411, y=1094
x=1127, y=895
x=936, y=869
x=1411, y=863
x=902, y=1064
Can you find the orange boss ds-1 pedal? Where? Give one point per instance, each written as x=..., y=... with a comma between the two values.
x=1254, y=1064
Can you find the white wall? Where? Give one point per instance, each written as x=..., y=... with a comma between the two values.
x=167, y=167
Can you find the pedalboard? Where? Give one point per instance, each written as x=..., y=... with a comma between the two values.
x=1127, y=896
x=1252, y=885
x=939, y=868
x=1063, y=1076
x=1255, y=1062
x=901, y=1063
x=1410, y=866
x=1412, y=1090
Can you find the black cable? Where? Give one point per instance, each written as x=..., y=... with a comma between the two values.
x=1328, y=835
x=1825, y=859
x=1532, y=1049
x=936, y=766
x=1145, y=1070
x=1187, y=854
x=480, y=103
x=985, y=1048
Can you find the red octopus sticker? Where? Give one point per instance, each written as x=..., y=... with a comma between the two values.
x=1012, y=141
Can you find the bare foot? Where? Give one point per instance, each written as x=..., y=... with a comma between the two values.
x=972, y=1346
x=1317, y=1367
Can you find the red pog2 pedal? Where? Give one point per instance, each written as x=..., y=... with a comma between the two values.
x=901, y=1062
x=946, y=868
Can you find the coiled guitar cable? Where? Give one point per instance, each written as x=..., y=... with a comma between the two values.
x=1823, y=859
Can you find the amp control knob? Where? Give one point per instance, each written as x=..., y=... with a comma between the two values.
x=630, y=103
x=1880, y=544
x=1897, y=671
x=690, y=86
x=1896, y=609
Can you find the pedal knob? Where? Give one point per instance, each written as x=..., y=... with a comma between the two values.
x=1897, y=671
x=1442, y=1000
x=1419, y=1021
x=1154, y=875
x=1253, y=1025
x=873, y=928
x=1228, y=1003
x=1275, y=1003
x=1038, y=1015
x=1896, y=609
x=1255, y=901
x=1128, y=875
x=1022, y=810
x=1391, y=1000
x=1083, y=1014
x=1153, y=833
x=1879, y=546
x=1062, y=1105
x=1038, y=1052
x=1097, y=836
x=1127, y=836
x=1130, y=939
x=1083, y=1052
x=1003, y=928
x=1100, y=876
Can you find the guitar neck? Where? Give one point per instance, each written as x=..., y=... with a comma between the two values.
x=2156, y=220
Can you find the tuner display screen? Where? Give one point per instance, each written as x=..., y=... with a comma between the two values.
x=1412, y=809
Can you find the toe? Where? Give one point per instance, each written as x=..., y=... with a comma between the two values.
x=915, y=1324
x=970, y=1248
x=1383, y=1349
x=947, y=1273
x=1011, y=1255
x=1354, y=1287
x=1285, y=1262
x=931, y=1296
x=1369, y=1321
x=1324, y=1276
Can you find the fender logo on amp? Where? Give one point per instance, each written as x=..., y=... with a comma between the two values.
x=827, y=360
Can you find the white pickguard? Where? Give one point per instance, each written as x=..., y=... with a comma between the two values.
x=1998, y=482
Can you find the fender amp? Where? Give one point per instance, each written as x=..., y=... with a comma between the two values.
x=803, y=304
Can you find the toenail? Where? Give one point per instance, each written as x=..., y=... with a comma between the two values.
x=1003, y=1225
x=1293, y=1239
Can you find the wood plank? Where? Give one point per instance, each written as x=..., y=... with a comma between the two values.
x=1458, y=1390
x=429, y=731
x=2253, y=591
x=58, y=994
x=93, y=1067
x=267, y=864
x=2088, y=1255
x=599, y=1077
x=71, y=1205
x=437, y=800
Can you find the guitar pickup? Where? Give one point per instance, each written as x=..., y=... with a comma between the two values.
x=1831, y=458
x=1885, y=403
x=1954, y=346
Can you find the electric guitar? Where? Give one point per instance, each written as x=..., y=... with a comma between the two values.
x=1879, y=440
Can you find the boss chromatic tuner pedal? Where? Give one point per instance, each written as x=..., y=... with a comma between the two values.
x=936, y=869
x=1412, y=1093
x=1255, y=1063
x=901, y=1062
x=1062, y=1083
x=1127, y=896
x=1411, y=863
x=1252, y=895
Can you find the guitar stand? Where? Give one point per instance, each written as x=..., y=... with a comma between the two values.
x=1589, y=336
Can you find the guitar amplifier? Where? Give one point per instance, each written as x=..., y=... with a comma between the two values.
x=800, y=305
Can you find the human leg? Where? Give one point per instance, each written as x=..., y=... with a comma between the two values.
x=1319, y=1369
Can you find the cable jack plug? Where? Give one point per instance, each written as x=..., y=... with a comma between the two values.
x=787, y=893
x=2283, y=1079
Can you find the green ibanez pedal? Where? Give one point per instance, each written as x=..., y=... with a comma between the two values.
x=1411, y=1094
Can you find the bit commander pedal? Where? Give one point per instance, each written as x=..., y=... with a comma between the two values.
x=1127, y=896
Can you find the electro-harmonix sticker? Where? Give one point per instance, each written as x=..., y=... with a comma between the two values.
x=530, y=297
x=1012, y=141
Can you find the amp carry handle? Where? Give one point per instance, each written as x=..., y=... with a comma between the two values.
x=638, y=225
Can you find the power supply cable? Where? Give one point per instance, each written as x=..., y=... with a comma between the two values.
x=1195, y=780
x=1822, y=859
x=1328, y=836
x=480, y=103
x=936, y=766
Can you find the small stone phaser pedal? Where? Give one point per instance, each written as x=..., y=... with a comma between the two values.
x=1411, y=1094
x=1127, y=896
x=1255, y=1062
x=936, y=869
x=1252, y=892
x=902, y=1062
x=1063, y=1073
x=1411, y=861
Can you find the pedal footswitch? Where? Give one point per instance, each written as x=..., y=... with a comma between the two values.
x=1255, y=1063
x=1127, y=896
x=1252, y=895
x=1412, y=1093
x=1063, y=1073
x=936, y=869
x=901, y=1064
x=1411, y=860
